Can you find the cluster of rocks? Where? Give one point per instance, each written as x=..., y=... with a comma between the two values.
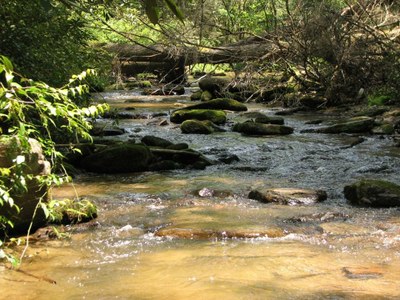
x=365, y=192
x=152, y=154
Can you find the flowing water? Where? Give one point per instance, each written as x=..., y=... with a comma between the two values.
x=221, y=244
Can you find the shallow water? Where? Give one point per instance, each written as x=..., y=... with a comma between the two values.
x=326, y=251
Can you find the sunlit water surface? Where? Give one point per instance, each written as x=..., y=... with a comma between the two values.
x=345, y=253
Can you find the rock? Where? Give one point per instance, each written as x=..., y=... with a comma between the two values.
x=206, y=96
x=270, y=120
x=196, y=96
x=384, y=129
x=228, y=158
x=165, y=165
x=288, y=196
x=353, y=125
x=35, y=164
x=312, y=101
x=154, y=141
x=373, y=193
x=363, y=273
x=188, y=157
x=373, y=111
x=196, y=127
x=252, y=114
x=213, y=85
x=215, y=116
x=219, y=104
x=180, y=146
x=200, y=234
x=102, y=129
x=251, y=128
x=123, y=158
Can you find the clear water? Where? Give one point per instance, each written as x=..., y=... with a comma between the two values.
x=340, y=253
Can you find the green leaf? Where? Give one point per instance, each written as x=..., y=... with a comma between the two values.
x=7, y=63
x=151, y=10
x=175, y=9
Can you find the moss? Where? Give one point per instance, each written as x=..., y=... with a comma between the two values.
x=69, y=211
x=373, y=193
x=196, y=96
x=378, y=99
x=215, y=116
x=220, y=103
x=206, y=96
x=251, y=128
x=196, y=127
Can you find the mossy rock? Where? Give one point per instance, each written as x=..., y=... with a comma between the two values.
x=251, y=128
x=215, y=116
x=123, y=158
x=196, y=127
x=206, y=96
x=353, y=125
x=384, y=129
x=195, y=96
x=221, y=104
x=373, y=193
x=270, y=120
x=154, y=141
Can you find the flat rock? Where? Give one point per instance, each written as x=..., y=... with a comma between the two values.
x=252, y=128
x=288, y=196
x=201, y=234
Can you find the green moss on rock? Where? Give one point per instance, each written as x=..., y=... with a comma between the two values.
x=215, y=116
x=251, y=128
x=373, y=193
x=221, y=104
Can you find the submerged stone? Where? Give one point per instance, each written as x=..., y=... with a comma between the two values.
x=201, y=234
x=373, y=193
x=288, y=196
x=215, y=116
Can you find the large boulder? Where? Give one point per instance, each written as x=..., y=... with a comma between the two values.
x=288, y=196
x=215, y=116
x=352, y=125
x=373, y=193
x=220, y=103
x=123, y=158
x=35, y=164
x=252, y=128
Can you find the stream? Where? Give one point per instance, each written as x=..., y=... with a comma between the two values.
x=330, y=250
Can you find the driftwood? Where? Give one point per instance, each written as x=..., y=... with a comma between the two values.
x=247, y=50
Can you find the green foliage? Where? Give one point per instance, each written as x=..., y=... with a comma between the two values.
x=31, y=109
x=45, y=40
x=69, y=211
x=378, y=99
